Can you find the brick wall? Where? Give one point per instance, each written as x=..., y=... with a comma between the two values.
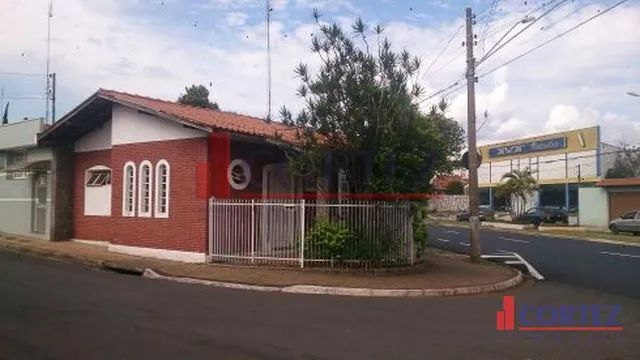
x=89, y=227
x=186, y=227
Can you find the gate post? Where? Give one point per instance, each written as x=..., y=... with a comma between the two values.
x=302, y=208
x=210, y=203
x=253, y=230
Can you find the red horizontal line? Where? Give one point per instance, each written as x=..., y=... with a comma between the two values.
x=335, y=196
x=570, y=328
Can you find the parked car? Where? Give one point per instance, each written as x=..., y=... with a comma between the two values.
x=629, y=222
x=548, y=214
x=486, y=213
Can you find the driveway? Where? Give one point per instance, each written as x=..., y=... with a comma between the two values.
x=56, y=310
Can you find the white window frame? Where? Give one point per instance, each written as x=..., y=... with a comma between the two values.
x=142, y=187
x=158, y=201
x=125, y=197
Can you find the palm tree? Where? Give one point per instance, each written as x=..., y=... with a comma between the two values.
x=519, y=184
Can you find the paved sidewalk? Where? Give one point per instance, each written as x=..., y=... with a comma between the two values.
x=439, y=271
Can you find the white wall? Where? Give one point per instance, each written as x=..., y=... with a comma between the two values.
x=587, y=162
x=130, y=126
x=552, y=167
x=594, y=207
x=97, y=201
x=97, y=139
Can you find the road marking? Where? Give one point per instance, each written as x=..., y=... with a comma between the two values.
x=619, y=254
x=513, y=240
x=464, y=244
x=451, y=232
x=519, y=260
x=503, y=251
x=443, y=240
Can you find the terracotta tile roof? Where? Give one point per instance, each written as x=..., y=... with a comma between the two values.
x=209, y=118
x=619, y=182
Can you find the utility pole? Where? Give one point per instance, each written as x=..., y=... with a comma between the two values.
x=474, y=196
x=268, y=60
x=48, y=85
x=53, y=98
x=579, y=186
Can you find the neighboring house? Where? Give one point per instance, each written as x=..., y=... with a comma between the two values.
x=27, y=182
x=609, y=199
x=145, y=168
x=440, y=183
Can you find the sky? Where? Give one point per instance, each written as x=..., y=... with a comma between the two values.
x=157, y=47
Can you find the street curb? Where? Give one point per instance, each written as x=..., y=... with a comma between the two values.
x=344, y=291
x=293, y=289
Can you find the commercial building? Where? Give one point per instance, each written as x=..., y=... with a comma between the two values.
x=561, y=163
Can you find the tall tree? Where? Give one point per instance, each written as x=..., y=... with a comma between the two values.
x=362, y=109
x=519, y=184
x=197, y=95
x=627, y=163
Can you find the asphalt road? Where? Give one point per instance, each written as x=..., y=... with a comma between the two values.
x=606, y=267
x=56, y=310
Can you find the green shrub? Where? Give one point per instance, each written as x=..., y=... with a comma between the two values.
x=327, y=240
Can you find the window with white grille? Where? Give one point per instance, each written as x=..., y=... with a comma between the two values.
x=163, y=178
x=97, y=178
x=97, y=191
x=129, y=190
x=144, y=184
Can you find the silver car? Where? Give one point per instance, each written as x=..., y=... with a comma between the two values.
x=629, y=222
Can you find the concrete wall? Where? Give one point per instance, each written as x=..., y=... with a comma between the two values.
x=15, y=205
x=594, y=207
x=21, y=134
x=449, y=203
x=16, y=196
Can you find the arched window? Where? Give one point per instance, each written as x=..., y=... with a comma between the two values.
x=163, y=179
x=129, y=190
x=145, y=182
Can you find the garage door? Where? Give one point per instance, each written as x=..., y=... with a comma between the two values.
x=623, y=202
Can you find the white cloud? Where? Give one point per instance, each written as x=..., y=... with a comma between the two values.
x=236, y=18
x=578, y=80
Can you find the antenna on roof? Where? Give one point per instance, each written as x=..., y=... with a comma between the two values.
x=268, y=8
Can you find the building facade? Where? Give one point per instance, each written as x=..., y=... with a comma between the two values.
x=561, y=163
x=144, y=169
x=25, y=181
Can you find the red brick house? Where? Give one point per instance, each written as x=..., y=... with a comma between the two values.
x=141, y=170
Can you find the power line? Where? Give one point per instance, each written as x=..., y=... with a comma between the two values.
x=497, y=46
x=513, y=24
x=554, y=38
x=570, y=159
x=490, y=19
x=457, y=83
x=446, y=46
x=24, y=97
x=21, y=74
